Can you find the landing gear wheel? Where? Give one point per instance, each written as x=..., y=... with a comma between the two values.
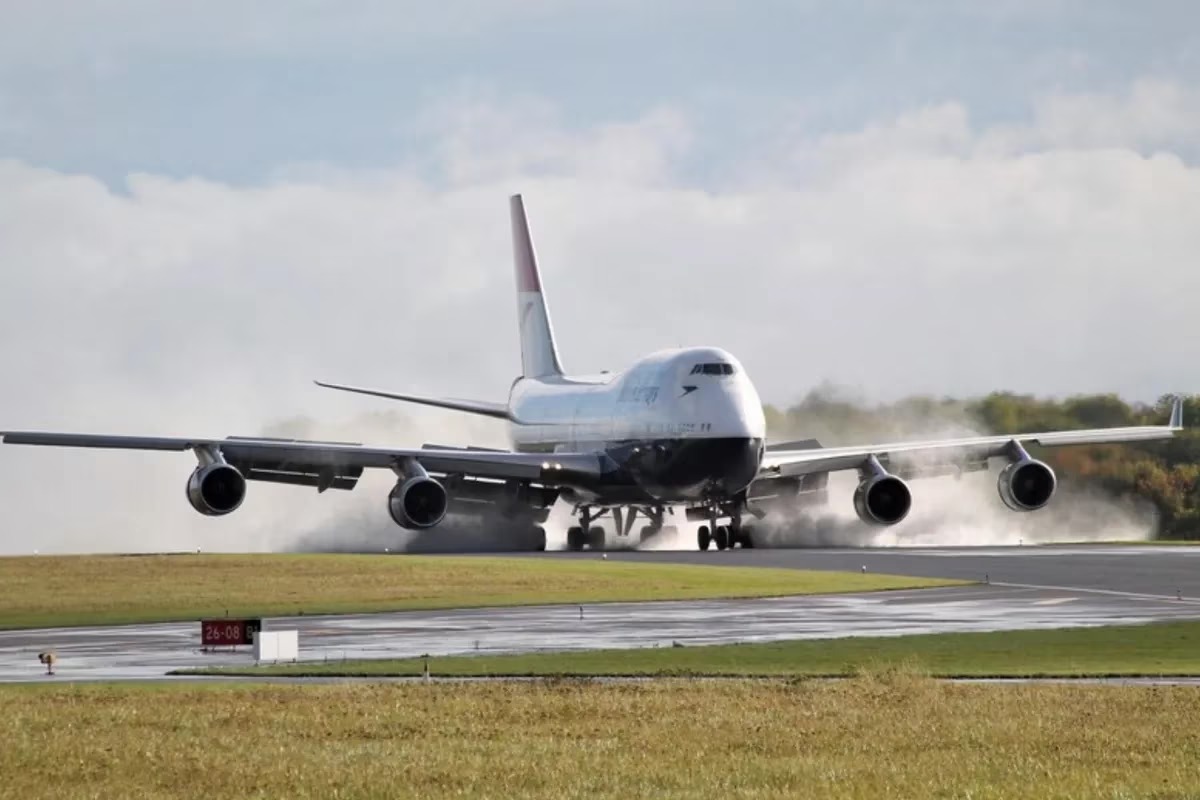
x=575, y=538
x=647, y=532
x=596, y=537
x=747, y=537
x=703, y=537
x=722, y=537
x=537, y=538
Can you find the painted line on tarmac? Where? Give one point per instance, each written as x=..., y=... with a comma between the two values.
x=1111, y=592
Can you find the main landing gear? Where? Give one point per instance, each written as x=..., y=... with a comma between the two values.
x=724, y=536
x=535, y=538
x=587, y=534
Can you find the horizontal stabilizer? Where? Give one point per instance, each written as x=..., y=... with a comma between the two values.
x=482, y=407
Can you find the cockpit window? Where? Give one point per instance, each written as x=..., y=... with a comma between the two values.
x=712, y=369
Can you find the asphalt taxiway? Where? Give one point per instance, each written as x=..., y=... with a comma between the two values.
x=1032, y=587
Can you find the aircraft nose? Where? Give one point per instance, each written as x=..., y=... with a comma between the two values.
x=745, y=410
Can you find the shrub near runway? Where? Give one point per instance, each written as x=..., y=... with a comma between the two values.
x=877, y=736
x=43, y=591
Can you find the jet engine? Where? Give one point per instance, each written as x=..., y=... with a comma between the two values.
x=882, y=499
x=216, y=489
x=1026, y=484
x=417, y=501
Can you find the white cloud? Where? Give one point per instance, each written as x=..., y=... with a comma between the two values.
x=483, y=141
x=231, y=91
x=1151, y=115
x=910, y=256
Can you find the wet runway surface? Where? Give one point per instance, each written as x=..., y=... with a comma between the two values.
x=1047, y=588
x=1030, y=587
x=1139, y=569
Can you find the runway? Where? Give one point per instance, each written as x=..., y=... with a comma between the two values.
x=1032, y=587
x=1138, y=569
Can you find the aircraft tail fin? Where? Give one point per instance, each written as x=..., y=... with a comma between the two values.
x=539, y=353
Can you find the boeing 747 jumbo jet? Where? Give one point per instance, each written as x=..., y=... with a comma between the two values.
x=680, y=429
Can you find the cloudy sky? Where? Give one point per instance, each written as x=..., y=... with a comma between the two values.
x=204, y=207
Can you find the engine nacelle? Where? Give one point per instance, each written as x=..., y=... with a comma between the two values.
x=417, y=501
x=882, y=499
x=216, y=489
x=1026, y=485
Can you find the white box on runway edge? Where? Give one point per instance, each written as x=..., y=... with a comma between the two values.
x=276, y=646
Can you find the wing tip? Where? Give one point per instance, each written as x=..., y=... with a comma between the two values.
x=1176, y=422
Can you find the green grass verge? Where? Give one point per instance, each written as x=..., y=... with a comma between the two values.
x=1132, y=543
x=886, y=735
x=1158, y=649
x=47, y=591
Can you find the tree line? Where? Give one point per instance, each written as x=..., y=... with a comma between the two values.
x=1166, y=473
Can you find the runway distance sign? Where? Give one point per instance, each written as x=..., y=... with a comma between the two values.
x=228, y=632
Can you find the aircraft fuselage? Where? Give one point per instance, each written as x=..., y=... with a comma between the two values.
x=680, y=425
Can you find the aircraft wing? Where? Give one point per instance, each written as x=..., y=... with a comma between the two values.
x=945, y=456
x=335, y=464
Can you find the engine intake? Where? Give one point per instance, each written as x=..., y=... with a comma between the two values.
x=1026, y=485
x=417, y=501
x=882, y=499
x=216, y=489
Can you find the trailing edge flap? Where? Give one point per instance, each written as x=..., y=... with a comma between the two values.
x=482, y=407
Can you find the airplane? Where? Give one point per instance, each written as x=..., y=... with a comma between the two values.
x=681, y=428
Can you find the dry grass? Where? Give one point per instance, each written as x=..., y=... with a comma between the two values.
x=42, y=591
x=883, y=735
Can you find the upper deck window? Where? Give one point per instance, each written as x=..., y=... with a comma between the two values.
x=712, y=369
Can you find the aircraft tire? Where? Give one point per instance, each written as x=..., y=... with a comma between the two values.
x=596, y=537
x=647, y=532
x=538, y=538
x=575, y=538
x=722, y=538
x=703, y=537
x=747, y=538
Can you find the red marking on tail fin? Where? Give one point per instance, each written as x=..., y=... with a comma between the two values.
x=523, y=256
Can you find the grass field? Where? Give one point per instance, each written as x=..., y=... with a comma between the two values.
x=885, y=735
x=1158, y=649
x=46, y=591
x=1135, y=543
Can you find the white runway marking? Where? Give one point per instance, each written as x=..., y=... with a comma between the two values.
x=1111, y=592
